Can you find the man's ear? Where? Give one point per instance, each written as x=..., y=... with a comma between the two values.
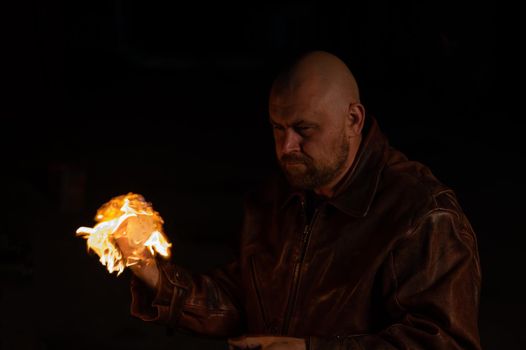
x=356, y=115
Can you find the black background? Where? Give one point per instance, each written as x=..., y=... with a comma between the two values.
x=169, y=100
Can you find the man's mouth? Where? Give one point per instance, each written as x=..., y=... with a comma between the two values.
x=293, y=163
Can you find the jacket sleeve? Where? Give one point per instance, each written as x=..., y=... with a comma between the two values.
x=205, y=304
x=432, y=294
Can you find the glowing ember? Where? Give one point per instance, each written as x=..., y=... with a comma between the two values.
x=127, y=216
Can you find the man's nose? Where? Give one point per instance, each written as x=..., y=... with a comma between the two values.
x=291, y=142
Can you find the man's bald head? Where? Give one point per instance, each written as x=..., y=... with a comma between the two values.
x=316, y=74
x=317, y=119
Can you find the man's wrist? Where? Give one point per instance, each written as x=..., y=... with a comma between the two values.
x=148, y=272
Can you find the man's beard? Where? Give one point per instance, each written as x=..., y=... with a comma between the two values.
x=307, y=174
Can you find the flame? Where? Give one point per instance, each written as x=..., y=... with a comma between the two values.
x=127, y=216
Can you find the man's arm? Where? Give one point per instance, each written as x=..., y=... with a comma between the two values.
x=210, y=304
x=206, y=304
x=434, y=291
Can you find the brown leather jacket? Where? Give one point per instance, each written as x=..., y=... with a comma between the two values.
x=390, y=262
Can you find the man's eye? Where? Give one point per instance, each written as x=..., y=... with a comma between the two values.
x=303, y=129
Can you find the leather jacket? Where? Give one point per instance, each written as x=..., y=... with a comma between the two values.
x=389, y=262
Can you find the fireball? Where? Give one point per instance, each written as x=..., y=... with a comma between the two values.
x=130, y=220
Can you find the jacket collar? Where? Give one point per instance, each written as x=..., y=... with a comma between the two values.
x=355, y=192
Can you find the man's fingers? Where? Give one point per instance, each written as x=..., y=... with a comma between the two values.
x=244, y=343
x=266, y=342
x=243, y=347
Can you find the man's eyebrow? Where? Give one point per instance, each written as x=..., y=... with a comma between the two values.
x=305, y=122
x=296, y=123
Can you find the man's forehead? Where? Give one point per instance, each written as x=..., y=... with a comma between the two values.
x=296, y=104
x=292, y=113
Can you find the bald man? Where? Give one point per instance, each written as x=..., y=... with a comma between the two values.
x=355, y=247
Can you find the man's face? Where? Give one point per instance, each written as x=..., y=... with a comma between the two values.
x=311, y=139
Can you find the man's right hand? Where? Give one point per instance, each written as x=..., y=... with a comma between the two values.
x=145, y=269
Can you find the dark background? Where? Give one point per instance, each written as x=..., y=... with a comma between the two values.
x=169, y=100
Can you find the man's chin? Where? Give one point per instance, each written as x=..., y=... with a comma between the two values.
x=297, y=180
x=296, y=174
x=296, y=171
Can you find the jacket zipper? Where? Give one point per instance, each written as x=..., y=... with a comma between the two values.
x=297, y=271
x=258, y=295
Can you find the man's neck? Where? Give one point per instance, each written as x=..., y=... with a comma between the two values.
x=312, y=201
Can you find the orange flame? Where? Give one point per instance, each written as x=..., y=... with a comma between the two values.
x=127, y=216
